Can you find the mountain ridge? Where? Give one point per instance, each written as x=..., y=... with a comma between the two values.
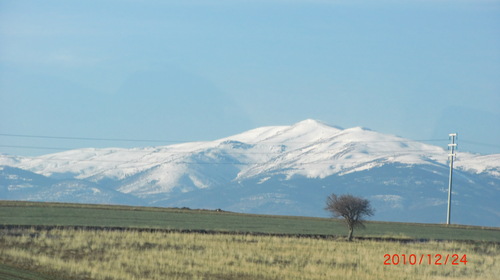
x=273, y=170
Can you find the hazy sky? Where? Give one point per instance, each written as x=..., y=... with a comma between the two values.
x=202, y=70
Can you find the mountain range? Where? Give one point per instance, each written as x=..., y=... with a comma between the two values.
x=282, y=170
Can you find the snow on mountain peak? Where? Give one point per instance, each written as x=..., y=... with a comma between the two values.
x=308, y=148
x=304, y=131
x=259, y=169
x=314, y=124
x=315, y=150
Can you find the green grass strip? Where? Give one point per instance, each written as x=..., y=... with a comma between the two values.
x=13, y=273
x=62, y=214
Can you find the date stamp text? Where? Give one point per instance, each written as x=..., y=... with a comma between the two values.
x=425, y=259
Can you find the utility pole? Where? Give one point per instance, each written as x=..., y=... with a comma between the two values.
x=451, y=157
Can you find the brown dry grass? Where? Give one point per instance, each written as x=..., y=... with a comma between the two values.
x=107, y=255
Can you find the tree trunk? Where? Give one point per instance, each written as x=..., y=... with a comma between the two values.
x=349, y=237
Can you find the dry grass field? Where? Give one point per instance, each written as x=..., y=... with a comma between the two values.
x=131, y=254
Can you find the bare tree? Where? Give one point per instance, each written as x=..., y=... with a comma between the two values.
x=352, y=209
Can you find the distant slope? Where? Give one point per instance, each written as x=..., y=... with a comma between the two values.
x=147, y=218
x=19, y=184
x=273, y=170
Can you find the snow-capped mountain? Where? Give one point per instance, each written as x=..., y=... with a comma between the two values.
x=274, y=170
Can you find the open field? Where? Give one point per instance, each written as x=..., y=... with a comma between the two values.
x=60, y=214
x=108, y=255
x=40, y=241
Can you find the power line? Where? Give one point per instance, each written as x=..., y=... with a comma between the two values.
x=35, y=147
x=202, y=152
x=480, y=143
x=165, y=151
x=185, y=141
x=89, y=138
x=176, y=155
x=176, y=161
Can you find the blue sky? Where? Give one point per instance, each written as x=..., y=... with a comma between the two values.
x=202, y=70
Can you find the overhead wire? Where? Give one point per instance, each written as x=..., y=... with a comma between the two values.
x=161, y=141
x=90, y=138
x=176, y=156
x=480, y=143
x=35, y=147
x=388, y=152
x=184, y=141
